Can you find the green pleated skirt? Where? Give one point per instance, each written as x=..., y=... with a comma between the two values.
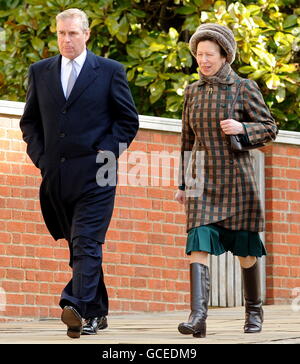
x=217, y=240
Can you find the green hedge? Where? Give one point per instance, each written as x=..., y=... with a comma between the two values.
x=151, y=39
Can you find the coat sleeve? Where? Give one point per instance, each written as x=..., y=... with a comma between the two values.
x=260, y=127
x=187, y=142
x=31, y=123
x=125, y=118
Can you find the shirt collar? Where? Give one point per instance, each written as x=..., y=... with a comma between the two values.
x=79, y=60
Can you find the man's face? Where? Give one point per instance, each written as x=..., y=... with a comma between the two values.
x=71, y=38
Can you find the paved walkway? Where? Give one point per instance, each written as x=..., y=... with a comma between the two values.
x=224, y=326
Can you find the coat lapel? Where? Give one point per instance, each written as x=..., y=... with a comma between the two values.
x=53, y=80
x=86, y=77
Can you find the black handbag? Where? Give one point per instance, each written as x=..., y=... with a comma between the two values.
x=240, y=142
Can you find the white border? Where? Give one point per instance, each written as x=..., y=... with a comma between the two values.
x=150, y=122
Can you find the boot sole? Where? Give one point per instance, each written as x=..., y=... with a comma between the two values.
x=186, y=330
x=73, y=323
x=189, y=331
x=88, y=333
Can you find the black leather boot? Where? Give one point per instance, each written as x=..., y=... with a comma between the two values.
x=254, y=315
x=199, y=280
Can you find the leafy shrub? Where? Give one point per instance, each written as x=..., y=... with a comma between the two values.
x=151, y=39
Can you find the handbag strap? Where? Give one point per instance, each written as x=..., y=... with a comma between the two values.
x=235, y=99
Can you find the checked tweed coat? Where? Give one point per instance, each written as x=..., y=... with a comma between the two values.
x=219, y=183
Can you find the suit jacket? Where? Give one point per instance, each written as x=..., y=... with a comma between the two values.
x=98, y=115
x=225, y=190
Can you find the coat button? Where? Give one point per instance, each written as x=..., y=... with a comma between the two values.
x=62, y=159
x=62, y=135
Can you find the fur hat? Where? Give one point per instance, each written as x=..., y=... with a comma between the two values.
x=220, y=33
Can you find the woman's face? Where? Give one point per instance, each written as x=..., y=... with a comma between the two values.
x=209, y=57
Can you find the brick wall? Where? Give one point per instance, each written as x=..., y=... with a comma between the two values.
x=144, y=263
x=282, y=180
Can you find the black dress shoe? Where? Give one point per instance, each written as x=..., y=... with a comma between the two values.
x=92, y=325
x=73, y=320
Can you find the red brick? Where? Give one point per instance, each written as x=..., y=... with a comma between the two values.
x=295, y=228
x=277, y=205
x=293, y=261
x=15, y=250
x=142, y=295
x=139, y=306
x=125, y=293
x=271, y=161
x=293, y=174
x=5, y=237
x=56, y=288
x=275, y=216
x=275, y=173
x=12, y=311
x=16, y=299
x=156, y=238
x=294, y=163
x=143, y=249
x=139, y=283
x=293, y=151
x=143, y=272
x=17, y=274
x=5, y=261
x=293, y=185
x=156, y=216
x=271, y=194
x=139, y=260
x=293, y=217
x=157, y=307
x=277, y=227
x=30, y=287
x=157, y=284
x=157, y=261
x=44, y=300
x=170, y=206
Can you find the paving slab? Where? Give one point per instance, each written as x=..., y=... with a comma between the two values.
x=224, y=326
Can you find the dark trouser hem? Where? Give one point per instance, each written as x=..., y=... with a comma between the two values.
x=86, y=291
x=64, y=302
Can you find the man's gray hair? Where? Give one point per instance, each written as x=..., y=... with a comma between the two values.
x=74, y=13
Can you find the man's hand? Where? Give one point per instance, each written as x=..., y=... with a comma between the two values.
x=232, y=127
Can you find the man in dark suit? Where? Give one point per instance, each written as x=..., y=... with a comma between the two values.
x=78, y=105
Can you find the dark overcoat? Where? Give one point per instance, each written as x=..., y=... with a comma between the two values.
x=64, y=136
x=220, y=184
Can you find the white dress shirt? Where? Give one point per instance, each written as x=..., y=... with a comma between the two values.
x=66, y=68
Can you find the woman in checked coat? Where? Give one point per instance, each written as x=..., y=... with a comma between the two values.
x=217, y=184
